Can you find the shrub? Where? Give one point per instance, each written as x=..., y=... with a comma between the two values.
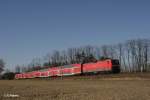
x=8, y=76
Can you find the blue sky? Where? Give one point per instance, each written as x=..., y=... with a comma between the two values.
x=32, y=28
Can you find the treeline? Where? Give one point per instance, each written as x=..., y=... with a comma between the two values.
x=133, y=55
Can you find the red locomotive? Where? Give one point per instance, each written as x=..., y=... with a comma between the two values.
x=108, y=65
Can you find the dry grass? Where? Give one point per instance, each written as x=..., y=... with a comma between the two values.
x=97, y=89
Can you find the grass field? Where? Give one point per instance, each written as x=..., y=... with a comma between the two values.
x=114, y=88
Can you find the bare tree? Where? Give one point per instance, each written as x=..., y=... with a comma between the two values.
x=24, y=69
x=64, y=57
x=18, y=69
x=104, y=50
x=47, y=60
x=128, y=55
x=36, y=62
x=120, y=52
x=56, y=58
x=97, y=52
x=88, y=50
x=71, y=54
x=2, y=65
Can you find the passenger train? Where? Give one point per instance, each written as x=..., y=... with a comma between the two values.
x=108, y=65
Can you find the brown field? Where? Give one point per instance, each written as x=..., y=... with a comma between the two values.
x=111, y=87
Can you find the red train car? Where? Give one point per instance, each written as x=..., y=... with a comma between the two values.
x=54, y=71
x=69, y=70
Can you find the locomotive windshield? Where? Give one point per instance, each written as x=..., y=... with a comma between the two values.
x=115, y=62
